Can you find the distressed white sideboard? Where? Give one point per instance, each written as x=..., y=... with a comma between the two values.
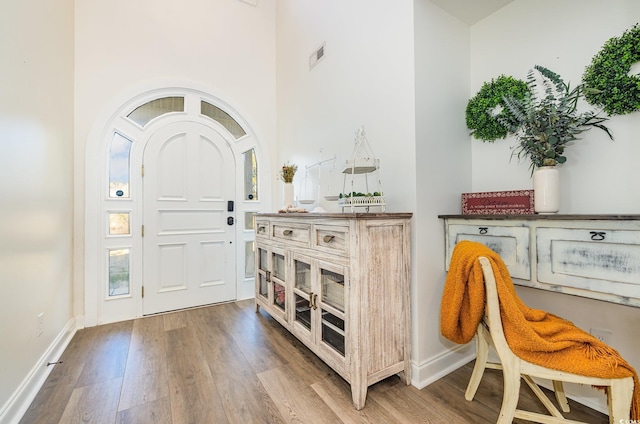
x=340, y=283
x=595, y=256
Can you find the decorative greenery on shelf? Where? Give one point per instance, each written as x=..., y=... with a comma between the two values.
x=359, y=194
x=287, y=172
x=544, y=123
x=488, y=105
x=613, y=88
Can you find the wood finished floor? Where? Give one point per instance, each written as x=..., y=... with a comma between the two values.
x=228, y=364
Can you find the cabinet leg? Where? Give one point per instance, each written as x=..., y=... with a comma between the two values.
x=359, y=396
x=404, y=378
x=257, y=308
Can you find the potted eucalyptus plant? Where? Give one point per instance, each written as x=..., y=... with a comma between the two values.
x=545, y=122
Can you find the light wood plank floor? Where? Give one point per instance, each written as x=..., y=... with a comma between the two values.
x=228, y=364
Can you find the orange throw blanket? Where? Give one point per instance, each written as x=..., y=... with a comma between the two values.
x=533, y=335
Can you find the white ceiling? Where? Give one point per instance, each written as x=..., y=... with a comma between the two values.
x=471, y=11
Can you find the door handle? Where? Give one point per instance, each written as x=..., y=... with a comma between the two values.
x=230, y=220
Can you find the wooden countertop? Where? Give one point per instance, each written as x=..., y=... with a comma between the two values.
x=551, y=217
x=356, y=215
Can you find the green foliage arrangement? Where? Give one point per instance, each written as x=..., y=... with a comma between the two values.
x=484, y=110
x=545, y=122
x=359, y=194
x=612, y=88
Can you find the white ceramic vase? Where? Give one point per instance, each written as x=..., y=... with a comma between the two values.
x=288, y=194
x=546, y=190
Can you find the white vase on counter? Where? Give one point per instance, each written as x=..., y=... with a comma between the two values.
x=288, y=194
x=546, y=190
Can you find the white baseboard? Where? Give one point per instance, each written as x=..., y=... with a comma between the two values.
x=438, y=366
x=80, y=322
x=13, y=410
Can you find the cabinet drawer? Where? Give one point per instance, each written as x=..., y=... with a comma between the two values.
x=297, y=234
x=331, y=239
x=594, y=260
x=262, y=229
x=511, y=243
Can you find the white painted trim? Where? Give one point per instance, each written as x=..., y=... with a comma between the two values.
x=13, y=410
x=440, y=365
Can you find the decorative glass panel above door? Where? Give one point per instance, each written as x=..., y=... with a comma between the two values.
x=142, y=115
x=223, y=118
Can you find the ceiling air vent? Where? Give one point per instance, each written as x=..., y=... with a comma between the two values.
x=316, y=56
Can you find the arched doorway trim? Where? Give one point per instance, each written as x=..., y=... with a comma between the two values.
x=104, y=250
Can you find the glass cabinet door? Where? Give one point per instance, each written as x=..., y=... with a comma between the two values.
x=263, y=269
x=278, y=278
x=302, y=293
x=332, y=305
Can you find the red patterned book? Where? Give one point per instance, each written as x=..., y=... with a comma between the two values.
x=515, y=202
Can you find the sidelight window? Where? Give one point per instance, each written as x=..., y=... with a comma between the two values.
x=119, y=166
x=119, y=272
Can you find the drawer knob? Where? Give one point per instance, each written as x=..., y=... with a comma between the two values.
x=328, y=239
x=287, y=232
x=597, y=235
x=262, y=230
x=483, y=230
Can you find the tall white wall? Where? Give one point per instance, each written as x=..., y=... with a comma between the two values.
x=365, y=79
x=600, y=176
x=124, y=48
x=443, y=164
x=36, y=206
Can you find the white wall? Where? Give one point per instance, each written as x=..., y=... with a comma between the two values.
x=600, y=175
x=443, y=163
x=124, y=48
x=365, y=79
x=36, y=163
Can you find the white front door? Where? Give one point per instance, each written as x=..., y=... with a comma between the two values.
x=189, y=238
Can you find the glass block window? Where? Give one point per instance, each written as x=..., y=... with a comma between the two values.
x=119, y=272
x=223, y=118
x=142, y=115
x=119, y=166
x=119, y=223
x=250, y=175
